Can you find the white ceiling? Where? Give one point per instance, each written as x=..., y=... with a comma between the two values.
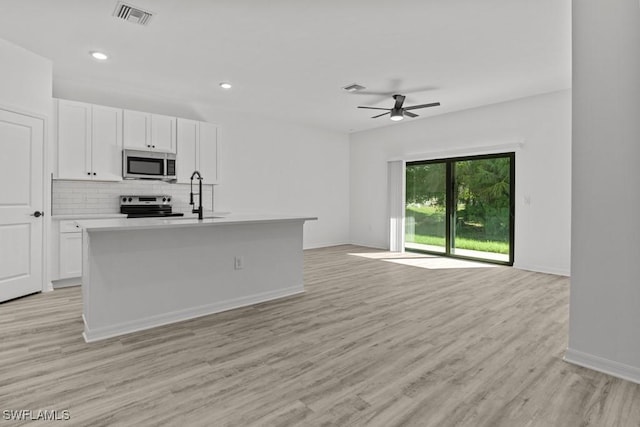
x=289, y=59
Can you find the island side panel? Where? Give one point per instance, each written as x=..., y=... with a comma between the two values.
x=137, y=279
x=86, y=274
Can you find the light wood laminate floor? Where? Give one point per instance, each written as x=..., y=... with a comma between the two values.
x=371, y=342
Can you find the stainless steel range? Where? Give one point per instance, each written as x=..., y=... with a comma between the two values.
x=147, y=206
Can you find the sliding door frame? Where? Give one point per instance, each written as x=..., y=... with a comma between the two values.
x=450, y=206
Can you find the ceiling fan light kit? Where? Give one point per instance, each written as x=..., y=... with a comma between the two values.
x=396, y=115
x=398, y=112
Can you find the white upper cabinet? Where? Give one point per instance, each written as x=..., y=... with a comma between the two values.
x=89, y=141
x=209, y=153
x=146, y=131
x=187, y=144
x=74, y=140
x=163, y=133
x=197, y=150
x=136, y=130
x=106, y=143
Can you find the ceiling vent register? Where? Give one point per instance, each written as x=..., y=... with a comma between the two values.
x=132, y=14
x=354, y=87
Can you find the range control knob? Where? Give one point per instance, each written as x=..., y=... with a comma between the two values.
x=164, y=199
x=124, y=199
x=130, y=199
x=168, y=199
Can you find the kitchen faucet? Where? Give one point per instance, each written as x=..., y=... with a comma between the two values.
x=199, y=194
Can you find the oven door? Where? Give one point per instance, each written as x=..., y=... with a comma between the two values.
x=142, y=164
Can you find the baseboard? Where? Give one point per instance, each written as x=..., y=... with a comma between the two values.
x=369, y=245
x=96, y=334
x=542, y=269
x=315, y=245
x=65, y=283
x=600, y=364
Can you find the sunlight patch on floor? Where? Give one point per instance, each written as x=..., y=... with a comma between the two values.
x=432, y=262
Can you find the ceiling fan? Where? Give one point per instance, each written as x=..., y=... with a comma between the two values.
x=398, y=112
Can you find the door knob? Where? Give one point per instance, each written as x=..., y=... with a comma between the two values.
x=37, y=214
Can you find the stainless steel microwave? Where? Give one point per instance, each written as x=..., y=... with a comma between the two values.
x=139, y=164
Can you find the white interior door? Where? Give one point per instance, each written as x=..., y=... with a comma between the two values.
x=21, y=204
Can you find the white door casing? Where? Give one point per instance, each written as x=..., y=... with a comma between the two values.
x=21, y=195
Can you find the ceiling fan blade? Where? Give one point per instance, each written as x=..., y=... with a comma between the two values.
x=399, y=101
x=415, y=107
x=375, y=108
x=380, y=115
x=409, y=113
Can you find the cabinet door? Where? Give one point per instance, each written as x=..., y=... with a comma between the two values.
x=70, y=255
x=106, y=143
x=74, y=140
x=186, y=149
x=163, y=133
x=136, y=130
x=208, y=153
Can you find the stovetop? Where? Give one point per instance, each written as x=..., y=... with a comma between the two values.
x=147, y=206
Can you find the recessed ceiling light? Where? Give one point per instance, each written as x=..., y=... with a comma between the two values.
x=225, y=85
x=99, y=56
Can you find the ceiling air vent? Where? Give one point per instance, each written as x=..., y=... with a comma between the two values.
x=132, y=14
x=354, y=87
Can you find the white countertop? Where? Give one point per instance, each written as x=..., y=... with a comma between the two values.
x=205, y=213
x=87, y=216
x=92, y=225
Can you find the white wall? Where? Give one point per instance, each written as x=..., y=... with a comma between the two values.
x=282, y=168
x=266, y=166
x=604, y=330
x=543, y=170
x=25, y=83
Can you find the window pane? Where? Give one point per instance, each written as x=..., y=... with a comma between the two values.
x=482, y=208
x=425, y=208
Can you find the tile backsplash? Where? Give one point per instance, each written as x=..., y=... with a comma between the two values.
x=95, y=197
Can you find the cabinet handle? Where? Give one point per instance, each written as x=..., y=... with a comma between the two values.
x=149, y=145
x=94, y=173
x=88, y=173
x=153, y=146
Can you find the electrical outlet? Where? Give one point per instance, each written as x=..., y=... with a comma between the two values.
x=238, y=263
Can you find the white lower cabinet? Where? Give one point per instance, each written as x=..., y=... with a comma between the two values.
x=69, y=250
x=65, y=268
x=70, y=255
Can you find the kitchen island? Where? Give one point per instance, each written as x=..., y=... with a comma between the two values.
x=147, y=272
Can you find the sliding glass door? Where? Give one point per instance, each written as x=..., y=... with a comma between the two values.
x=462, y=207
x=425, y=209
